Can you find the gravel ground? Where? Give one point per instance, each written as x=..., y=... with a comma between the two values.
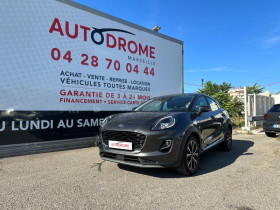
x=248, y=177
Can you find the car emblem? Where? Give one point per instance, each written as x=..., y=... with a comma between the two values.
x=121, y=125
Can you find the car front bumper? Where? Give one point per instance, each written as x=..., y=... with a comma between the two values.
x=149, y=156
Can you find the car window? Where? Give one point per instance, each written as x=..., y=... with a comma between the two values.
x=218, y=104
x=213, y=104
x=152, y=106
x=177, y=103
x=200, y=101
x=275, y=108
x=166, y=104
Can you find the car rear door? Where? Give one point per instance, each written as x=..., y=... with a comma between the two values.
x=217, y=119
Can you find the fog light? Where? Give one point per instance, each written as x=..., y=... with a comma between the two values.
x=166, y=145
x=101, y=142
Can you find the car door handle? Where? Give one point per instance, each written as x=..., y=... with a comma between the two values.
x=213, y=117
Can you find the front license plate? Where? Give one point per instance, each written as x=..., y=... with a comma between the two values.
x=120, y=145
x=276, y=125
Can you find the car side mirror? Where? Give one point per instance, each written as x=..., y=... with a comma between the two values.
x=203, y=108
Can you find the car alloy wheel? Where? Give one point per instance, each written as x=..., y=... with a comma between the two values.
x=192, y=155
x=227, y=144
x=229, y=139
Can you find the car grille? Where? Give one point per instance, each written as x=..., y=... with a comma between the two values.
x=121, y=157
x=137, y=139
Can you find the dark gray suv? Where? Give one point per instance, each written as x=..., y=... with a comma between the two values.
x=271, y=123
x=169, y=131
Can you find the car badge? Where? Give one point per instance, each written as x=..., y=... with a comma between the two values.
x=121, y=125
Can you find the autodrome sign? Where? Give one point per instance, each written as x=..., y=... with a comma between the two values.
x=63, y=58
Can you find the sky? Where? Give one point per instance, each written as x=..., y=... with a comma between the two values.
x=233, y=41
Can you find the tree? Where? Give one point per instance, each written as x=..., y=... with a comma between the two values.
x=213, y=88
x=278, y=92
x=255, y=89
x=225, y=87
x=220, y=93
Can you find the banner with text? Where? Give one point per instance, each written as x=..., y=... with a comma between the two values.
x=64, y=68
x=57, y=57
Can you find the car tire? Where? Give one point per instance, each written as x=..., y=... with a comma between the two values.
x=268, y=134
x=190, y=159
x=227, y=143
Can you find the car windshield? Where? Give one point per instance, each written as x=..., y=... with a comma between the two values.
x=166, y=104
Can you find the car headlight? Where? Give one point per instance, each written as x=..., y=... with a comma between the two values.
x=164, y=123
x=106, y=120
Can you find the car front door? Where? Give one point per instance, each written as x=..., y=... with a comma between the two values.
x=204, y=121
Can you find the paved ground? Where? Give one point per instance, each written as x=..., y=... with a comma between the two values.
x=246, y=178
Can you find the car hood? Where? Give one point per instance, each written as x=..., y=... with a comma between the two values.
x=139, y=117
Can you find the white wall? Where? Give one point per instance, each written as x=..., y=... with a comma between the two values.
x=276, y=98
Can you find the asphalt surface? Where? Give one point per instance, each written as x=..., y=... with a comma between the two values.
x=248, y=177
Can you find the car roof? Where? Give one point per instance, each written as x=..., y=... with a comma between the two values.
x=183, y=94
